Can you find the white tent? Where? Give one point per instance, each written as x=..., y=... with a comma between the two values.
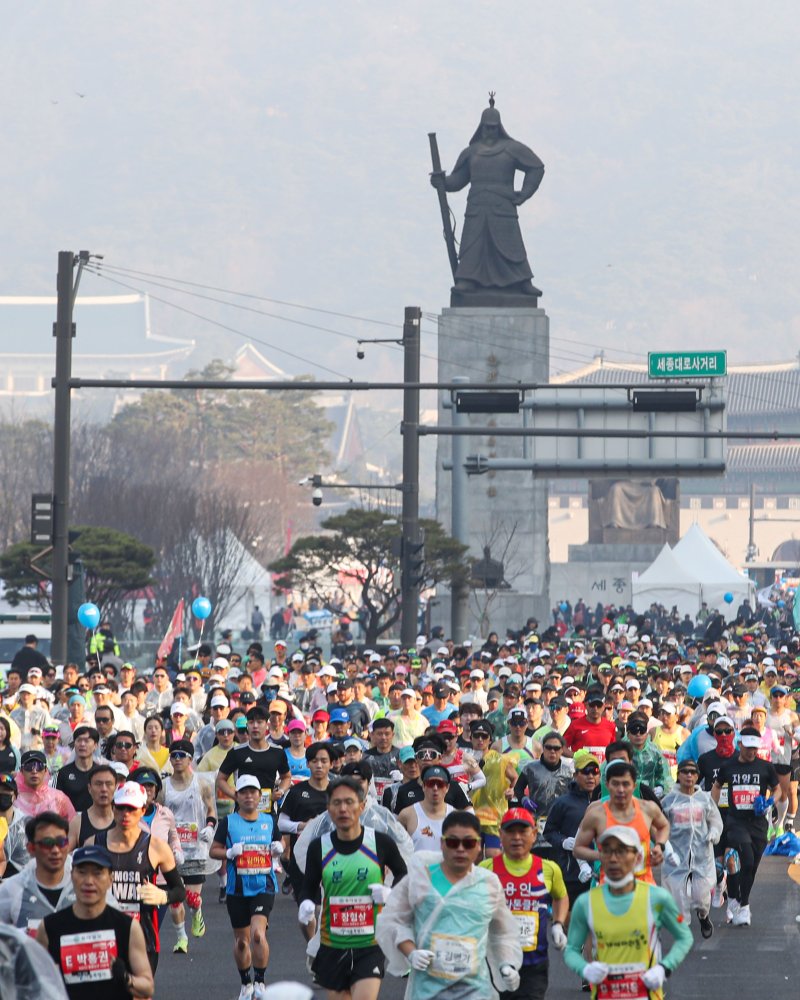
x=667, y=582
x=697, y=554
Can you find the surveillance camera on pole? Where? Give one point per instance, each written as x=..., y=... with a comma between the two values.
x=316, y=498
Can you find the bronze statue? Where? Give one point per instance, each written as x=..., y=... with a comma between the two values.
x=492, y=262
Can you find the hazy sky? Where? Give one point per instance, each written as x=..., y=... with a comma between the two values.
x=281, y=150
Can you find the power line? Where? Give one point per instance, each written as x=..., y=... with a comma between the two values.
x=223, y=326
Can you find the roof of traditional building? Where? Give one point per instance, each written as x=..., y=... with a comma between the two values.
x=751, y=390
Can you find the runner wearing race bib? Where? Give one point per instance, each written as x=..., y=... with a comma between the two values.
x=349, y=865
x=531, y=887
x=621, y=919
x=99, y=951
x=194, y=807
x=245, y=839
x=748, y=781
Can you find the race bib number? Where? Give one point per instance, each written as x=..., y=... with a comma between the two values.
x=352, y=915
x=88, y=957
x=381, y=784
x=528, y=927
x=453, y=957
x=32, y=927
x=255, y=859
x=744, y=796
x=130, y=909
x=187, y=833
x=671, y=757
x=265, y=805
x=763, y=753
x=723, y=797
x=599, y=752
x=623, y=982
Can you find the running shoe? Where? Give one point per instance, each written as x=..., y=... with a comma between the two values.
x=742, y=918
x=259, y=991
x=706, y=927
x=246, y=992
x=181, y=946
x=733, y=910
x=198, y=924
x=222, y=894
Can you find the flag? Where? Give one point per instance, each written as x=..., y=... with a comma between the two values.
x=175, y=629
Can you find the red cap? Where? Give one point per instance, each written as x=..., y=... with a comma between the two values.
x=447, y=726
x=320, y=716
x=513, y=816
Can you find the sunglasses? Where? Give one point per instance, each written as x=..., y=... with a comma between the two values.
x=518, y=722
x=433, y=783
x=555, y=747
x=723, y=732
x=427, y=754
x=688, y=770
x=178, y=754
x=124, y=746
x=126, y=808
x=49, y=842
x=448, y=736
x=637, y=730
x=591, y=769
x=33, y=765
x=468, y=843
x=480, y=736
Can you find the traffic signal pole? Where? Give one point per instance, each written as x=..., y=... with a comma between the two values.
x=410, y=520
x=63, y=331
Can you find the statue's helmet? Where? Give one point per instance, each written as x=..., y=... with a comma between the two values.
x=491, y=116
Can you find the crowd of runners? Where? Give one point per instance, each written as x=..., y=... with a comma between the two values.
x=447, y=813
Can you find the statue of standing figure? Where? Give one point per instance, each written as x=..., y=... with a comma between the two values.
x=492, y=255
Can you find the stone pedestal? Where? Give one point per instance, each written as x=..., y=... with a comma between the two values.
x=599, y=572
x=505, y=510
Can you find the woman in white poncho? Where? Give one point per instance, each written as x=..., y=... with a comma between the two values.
x=447, y=921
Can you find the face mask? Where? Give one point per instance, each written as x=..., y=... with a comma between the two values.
x=6, y=801
x=619, y=883
x=724, y=744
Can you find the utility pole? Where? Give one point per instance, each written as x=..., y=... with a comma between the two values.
x=411, y=540
x=752, y=551
x=459, y=607
x=63, y=331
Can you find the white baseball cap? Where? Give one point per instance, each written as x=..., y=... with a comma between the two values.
x=131, y=794
x=219, y=702
x=247, y=781
x=178, y=708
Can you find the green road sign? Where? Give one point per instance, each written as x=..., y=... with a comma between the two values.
x=687, y=364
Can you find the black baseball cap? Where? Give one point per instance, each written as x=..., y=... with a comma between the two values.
x=92, y=854
x=30, y=755
x=436, y=771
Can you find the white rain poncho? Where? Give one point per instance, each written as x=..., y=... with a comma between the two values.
x=470, y=930
x=27, y=972
x=695, y=825
x=374, y=816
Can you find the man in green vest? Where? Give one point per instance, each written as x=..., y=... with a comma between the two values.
x=622, y=918
x=349, y=865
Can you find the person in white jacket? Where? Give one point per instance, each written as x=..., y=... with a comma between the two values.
x=447, y=919
x=689, y=870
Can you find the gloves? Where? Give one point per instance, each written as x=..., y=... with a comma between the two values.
x=206, y=835
x=420, y=959
x=659, y=790
x=276, y=848
x=380, y=893
x=151, y=895
x=559, y=937
x=568, y=843
x=510, y=978
x=595, y=972
x=233, y=852
x=396, y=775
x=180, y=857
x=584, y=871
x=654, y=978
x=306, y=912
x=119, y=974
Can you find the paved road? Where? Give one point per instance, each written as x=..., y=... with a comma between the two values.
x=764, y=960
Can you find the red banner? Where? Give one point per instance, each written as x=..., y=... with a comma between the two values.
x=175, y=629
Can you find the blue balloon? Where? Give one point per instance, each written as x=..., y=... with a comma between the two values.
x=201, y=608
x=89, y=615
x=698, y=686
x=728, y=598
x=563, y=605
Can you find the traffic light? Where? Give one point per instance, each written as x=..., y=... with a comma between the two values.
x=414, y=562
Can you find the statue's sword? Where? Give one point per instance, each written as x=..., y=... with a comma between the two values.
x=447, y=224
